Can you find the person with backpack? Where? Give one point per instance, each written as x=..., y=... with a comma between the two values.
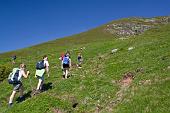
x=61, y=58
x=79, y=59
x=13, y=58
x=15, y=79
x=41, y=67
x=66, y=62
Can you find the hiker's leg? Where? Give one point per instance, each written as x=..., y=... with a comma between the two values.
x=63, y=71
x=39, y=83
x=13, y=62
x=21, y=91
x=62, y=68
x=12, y=97
x=66, y=73
x=42, y=82
x=80, y=63
x=17, y=87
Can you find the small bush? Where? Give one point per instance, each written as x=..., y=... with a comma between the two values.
x=4, y=72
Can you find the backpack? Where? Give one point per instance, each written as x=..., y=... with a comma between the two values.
x=13, y=76
x=14, y=57
x=40, y=65
x=66, y=60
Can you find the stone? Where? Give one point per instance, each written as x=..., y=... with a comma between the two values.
x=168, y=67
x=130, y=48
x=114, y=50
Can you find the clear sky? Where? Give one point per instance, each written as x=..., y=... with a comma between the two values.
x=28, y=22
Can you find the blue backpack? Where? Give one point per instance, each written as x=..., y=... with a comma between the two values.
x=66, y=60
x=40, y=65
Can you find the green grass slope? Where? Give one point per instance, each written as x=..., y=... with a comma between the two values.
x=95, y=87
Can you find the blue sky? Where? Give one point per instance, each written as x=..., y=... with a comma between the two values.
x=28, y=22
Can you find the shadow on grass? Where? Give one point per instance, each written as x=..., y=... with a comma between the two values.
x=27, y=95
x=47, y=86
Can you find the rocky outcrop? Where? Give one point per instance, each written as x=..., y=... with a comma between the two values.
x=135, y=26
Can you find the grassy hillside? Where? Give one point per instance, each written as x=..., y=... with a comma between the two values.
x=96, y=88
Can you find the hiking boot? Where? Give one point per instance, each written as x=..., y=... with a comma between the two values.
x=10, y=105
x=37, y=92
x=79, y=67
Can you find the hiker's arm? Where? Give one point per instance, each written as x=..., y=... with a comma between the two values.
x=47, y=70
x=70, y=63
x=61, y=64
x=60, y=58
x=25, y=74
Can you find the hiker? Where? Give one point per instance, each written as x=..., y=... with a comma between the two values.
x=61, y=58
x=66, y=62
x=79, y=59
x=42, y=67
x=15, y=79
x=13, y=58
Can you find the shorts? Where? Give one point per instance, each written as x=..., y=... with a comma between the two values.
x=17, y=87
x=66, y=66
x=40, y=73
x=40, y=77
x=80, y=61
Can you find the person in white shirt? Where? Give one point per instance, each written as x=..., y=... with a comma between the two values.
x=18, y=86
x=40, y=74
